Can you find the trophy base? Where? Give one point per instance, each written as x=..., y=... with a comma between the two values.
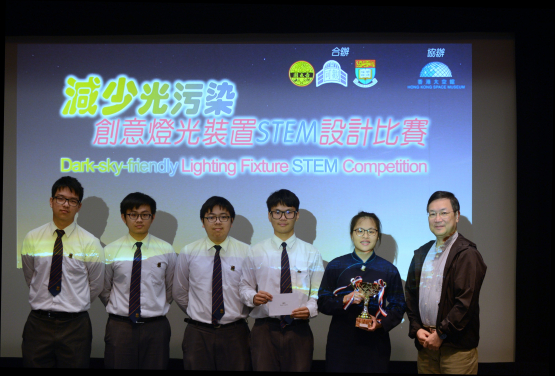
x=363, y=323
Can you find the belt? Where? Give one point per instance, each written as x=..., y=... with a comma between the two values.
x=144, y=320
x=429, y=328
x=59, y=315
x=212, y=326
x=278, y=321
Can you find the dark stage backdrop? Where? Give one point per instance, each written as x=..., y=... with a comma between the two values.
x=493, y=129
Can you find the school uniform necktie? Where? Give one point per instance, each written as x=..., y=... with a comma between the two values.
x=55, y=282
x=218, y=309
x=285, y=285
x=135, y=288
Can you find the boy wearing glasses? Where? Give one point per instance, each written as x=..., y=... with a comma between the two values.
x=442, y=293
x=206, y=288
x=282, y=264
x=138, y=291
x=63, y=265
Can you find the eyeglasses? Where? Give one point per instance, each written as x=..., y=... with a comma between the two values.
x=289, y=214
x=144, y=216
x=360, y=231
x=62, y=200
x=443, y=214
x=213, y=218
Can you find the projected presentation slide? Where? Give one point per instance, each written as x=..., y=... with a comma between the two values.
x=346, y=127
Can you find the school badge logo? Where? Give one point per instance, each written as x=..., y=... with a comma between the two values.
x=331, y=73
x=365, y=72
x=301, y=73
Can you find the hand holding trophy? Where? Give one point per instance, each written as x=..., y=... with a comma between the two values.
x=369, y=290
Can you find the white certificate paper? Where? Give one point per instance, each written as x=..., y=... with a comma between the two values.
x=284, y=304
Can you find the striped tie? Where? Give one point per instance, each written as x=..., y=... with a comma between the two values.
x=55, y=283
x=218, y=309
x=285, y=285
x=135, y=289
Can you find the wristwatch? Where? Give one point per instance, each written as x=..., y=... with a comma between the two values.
x=441, y=335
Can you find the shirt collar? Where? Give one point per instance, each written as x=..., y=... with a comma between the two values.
x=223, y=244
x=68, y=230
x=448, y=243
x=290, y=242
x=131, y=241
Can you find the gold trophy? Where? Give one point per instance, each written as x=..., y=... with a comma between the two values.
x=369, y=290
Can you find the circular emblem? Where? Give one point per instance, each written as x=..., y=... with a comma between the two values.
x=301, y=73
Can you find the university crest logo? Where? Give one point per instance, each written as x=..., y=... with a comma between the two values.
x=365, y=72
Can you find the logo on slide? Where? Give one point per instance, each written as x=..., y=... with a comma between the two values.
x=301, y=73
x=436, y=76
x=365, y=72
x=435, y=69
x=331, y=74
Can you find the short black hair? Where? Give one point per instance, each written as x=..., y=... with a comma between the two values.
x=135, y=200
x=363, y=214
x=284, y=197
x=71, y=183
x=444, y=194
x=214, y=201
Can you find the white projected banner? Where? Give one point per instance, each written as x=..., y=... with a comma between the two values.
x=374, y=127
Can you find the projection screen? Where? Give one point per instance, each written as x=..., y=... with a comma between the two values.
x=348, y=125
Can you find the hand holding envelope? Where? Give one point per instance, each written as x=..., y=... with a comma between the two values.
x=292, y=304
x=288, y=304
x=301, y=313
x=262, y=297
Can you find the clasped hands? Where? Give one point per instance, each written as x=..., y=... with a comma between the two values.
x=263, y=297
x=429, y=340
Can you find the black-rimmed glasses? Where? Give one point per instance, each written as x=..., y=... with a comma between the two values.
x=144, y=216
x=213, y=218
x=62, y=200
x=289, y=214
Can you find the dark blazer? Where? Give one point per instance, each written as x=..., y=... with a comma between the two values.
x=459, y=312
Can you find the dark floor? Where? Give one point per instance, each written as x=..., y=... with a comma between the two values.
x=394, y=367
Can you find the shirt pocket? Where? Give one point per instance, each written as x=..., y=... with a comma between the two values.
x=301, y=280
x=74, y=269
x=158, y=272
x=232, y=271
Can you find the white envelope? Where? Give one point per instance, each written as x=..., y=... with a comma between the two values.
x=284, y=304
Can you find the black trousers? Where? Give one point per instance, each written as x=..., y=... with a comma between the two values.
x=137, y=346
x=57, y=340
x=286, y=350
x=217, y=349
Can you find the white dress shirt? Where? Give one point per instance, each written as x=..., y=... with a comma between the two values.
x=82, y=268
x=263, y=269
x=157, y=268
x=192, y=286
x=431, y=280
